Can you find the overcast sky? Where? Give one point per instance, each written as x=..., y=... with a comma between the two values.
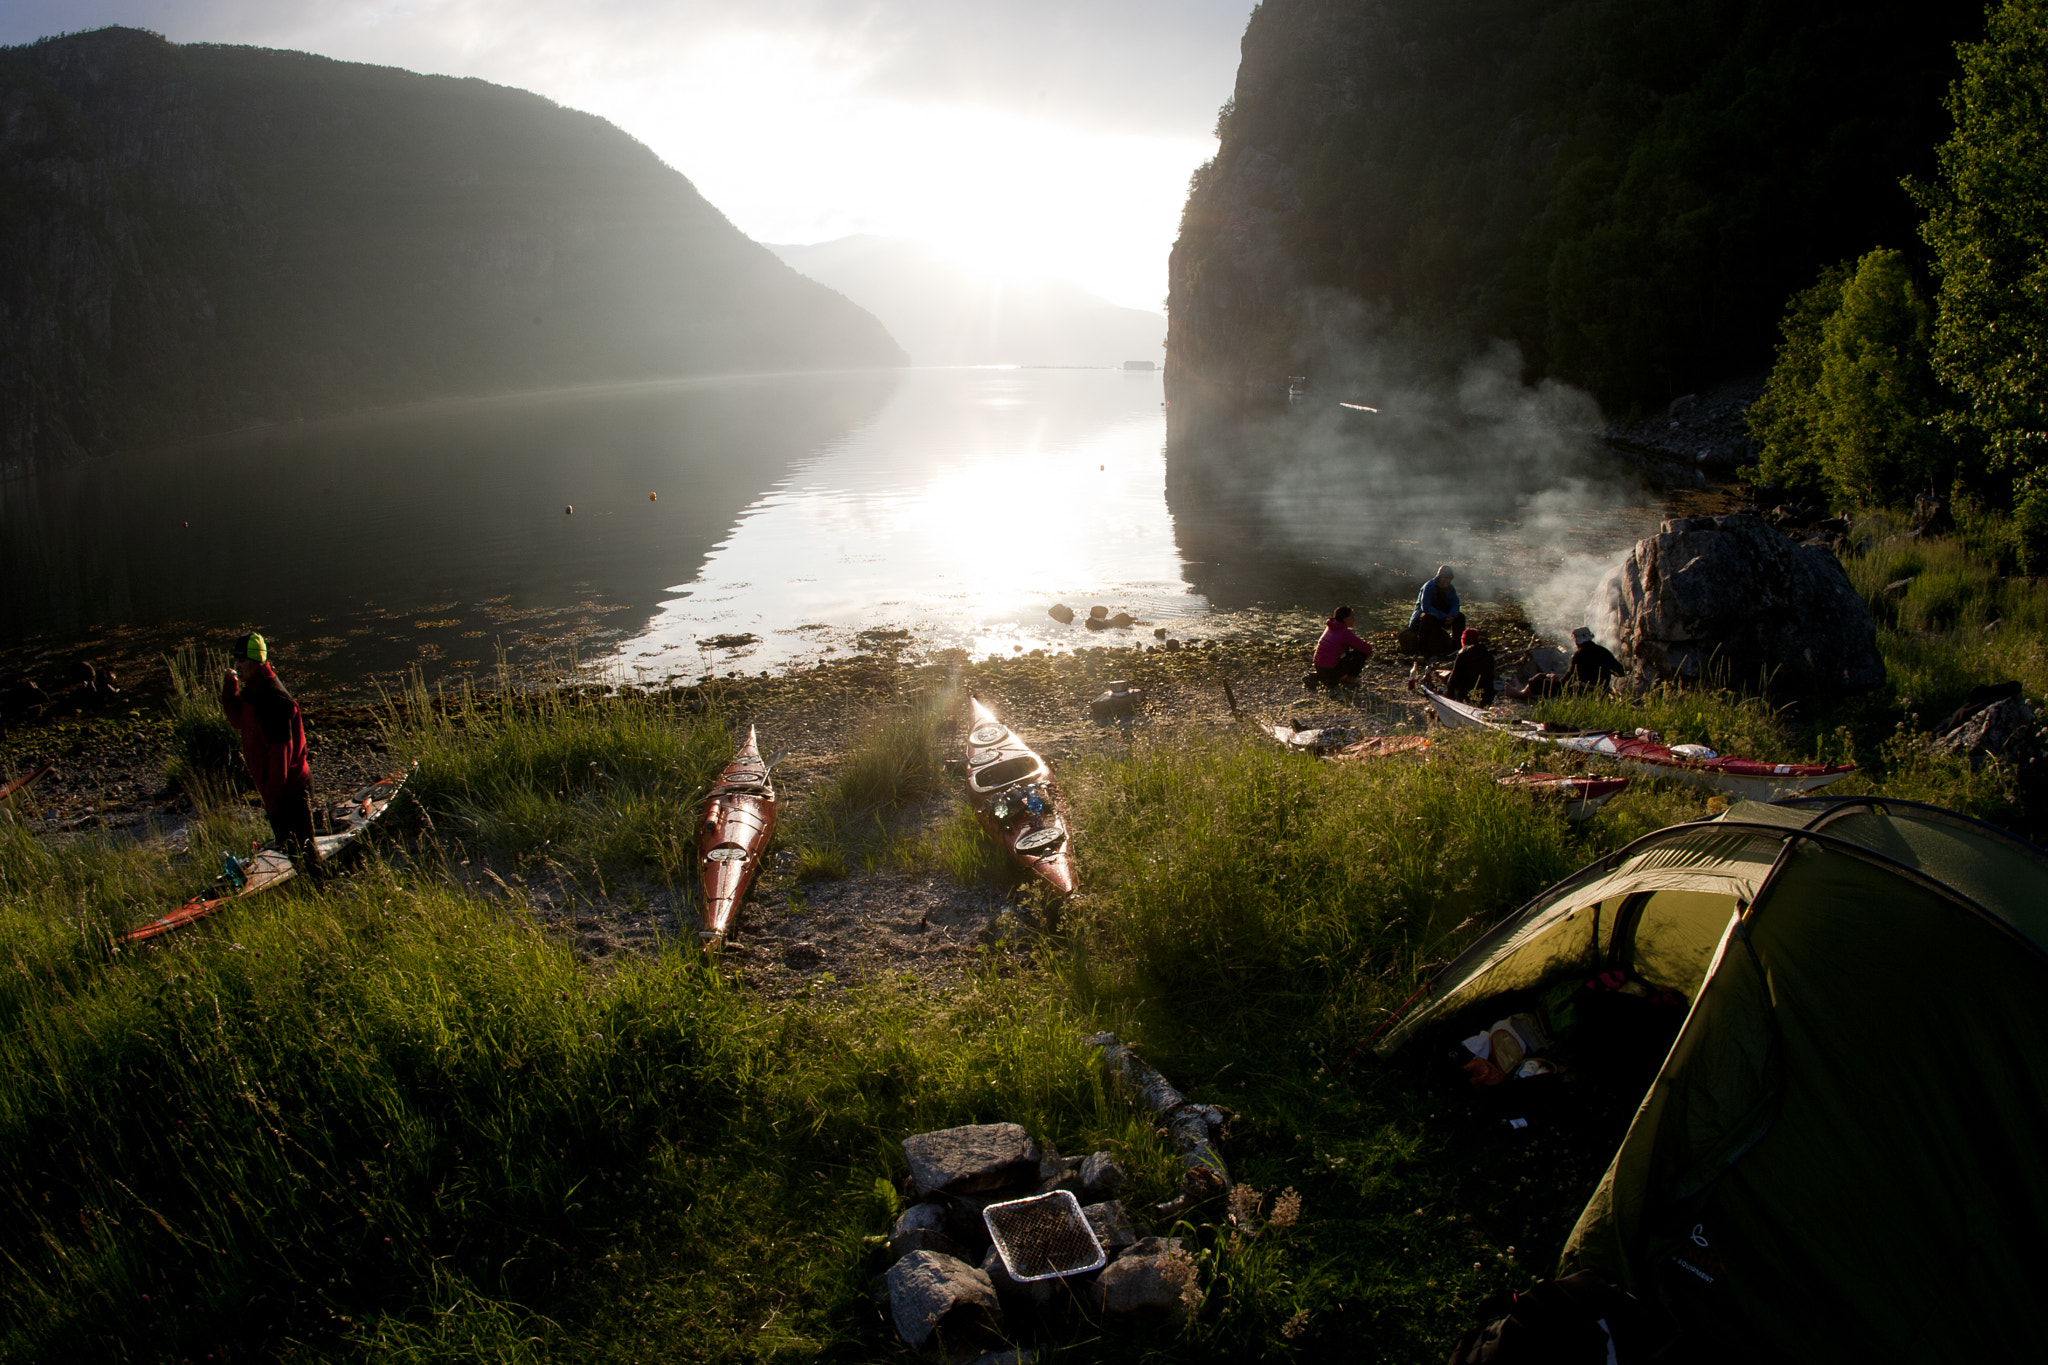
x=1035, y=135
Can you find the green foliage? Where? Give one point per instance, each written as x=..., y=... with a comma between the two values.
x=1877, y=397
x=1784, y=419
x=1987, y=224
x=1852, y=409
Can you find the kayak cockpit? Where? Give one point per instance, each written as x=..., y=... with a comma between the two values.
x=1002, y=773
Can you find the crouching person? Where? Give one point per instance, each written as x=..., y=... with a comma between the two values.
x=273, y=744
x=1341, y=655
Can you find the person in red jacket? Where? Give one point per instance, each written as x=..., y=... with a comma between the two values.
x=273, y=743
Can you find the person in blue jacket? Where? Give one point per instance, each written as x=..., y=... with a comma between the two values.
x=1439, y=620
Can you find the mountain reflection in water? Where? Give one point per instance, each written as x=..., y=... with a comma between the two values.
x=430, y=535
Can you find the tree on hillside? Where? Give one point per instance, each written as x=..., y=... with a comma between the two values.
x=1988, y=226
x=1853, y=408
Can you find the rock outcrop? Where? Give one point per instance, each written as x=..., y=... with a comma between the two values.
x=1445, y=173
x=201, y=237
x=1732, y=599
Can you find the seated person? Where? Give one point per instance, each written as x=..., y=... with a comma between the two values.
x=1341, y=654
x=1591, y=666
x=1439, y=617
x=1474, y=668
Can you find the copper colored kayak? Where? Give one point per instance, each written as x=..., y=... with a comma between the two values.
x=733, y=831
x=1012, y=790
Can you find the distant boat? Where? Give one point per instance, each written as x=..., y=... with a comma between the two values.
x=1139, y=365
x=1297, y=386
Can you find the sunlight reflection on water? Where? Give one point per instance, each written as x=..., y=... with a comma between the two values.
x=972, y=503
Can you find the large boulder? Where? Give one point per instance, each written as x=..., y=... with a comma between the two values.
x=978, y=1157
x=944, y=1307
x=1732, y=599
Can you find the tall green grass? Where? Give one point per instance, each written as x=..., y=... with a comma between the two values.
x=580, y=778
x=206, y=753
x=388, y=1121
x=1956, y=624
x=852, y=820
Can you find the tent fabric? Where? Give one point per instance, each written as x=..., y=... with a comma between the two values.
x=1569, y=928
x=1841, y=1155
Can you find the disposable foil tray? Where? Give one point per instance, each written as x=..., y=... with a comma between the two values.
x=1043, y=1237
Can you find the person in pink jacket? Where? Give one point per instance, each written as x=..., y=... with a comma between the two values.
x=1341, y=654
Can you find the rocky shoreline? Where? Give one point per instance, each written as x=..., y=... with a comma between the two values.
x=113, y=760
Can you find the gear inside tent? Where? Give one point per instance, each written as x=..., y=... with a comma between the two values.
x=1840, y=1156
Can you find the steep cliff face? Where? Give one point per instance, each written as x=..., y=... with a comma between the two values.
x=1627, y=191
x=193, y=238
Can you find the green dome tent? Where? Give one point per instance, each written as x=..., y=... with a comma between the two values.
x=1844, y=1155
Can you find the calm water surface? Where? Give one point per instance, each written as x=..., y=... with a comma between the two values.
x=802, y=511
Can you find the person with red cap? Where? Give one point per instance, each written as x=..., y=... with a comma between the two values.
x=1342, y=653
x=273, y=743
x=1591, y=667
x=1473, y=668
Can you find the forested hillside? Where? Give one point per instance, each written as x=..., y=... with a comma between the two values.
x=1627, y=189
x=195, y=237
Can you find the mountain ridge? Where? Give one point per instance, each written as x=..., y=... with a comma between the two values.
x=201, y=237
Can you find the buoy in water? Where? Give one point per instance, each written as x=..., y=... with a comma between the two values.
x=650, y=497
x=568, y=511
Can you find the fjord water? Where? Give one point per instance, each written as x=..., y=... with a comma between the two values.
x=953, y=502
x=801, y=511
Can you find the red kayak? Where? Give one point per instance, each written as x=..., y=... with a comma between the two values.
x=270, y=866
x=1581, y=795
x=1649, y=756
x=732, y=833
x=1012, y=791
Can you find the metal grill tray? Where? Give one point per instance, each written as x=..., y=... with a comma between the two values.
x=1043, y=1237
